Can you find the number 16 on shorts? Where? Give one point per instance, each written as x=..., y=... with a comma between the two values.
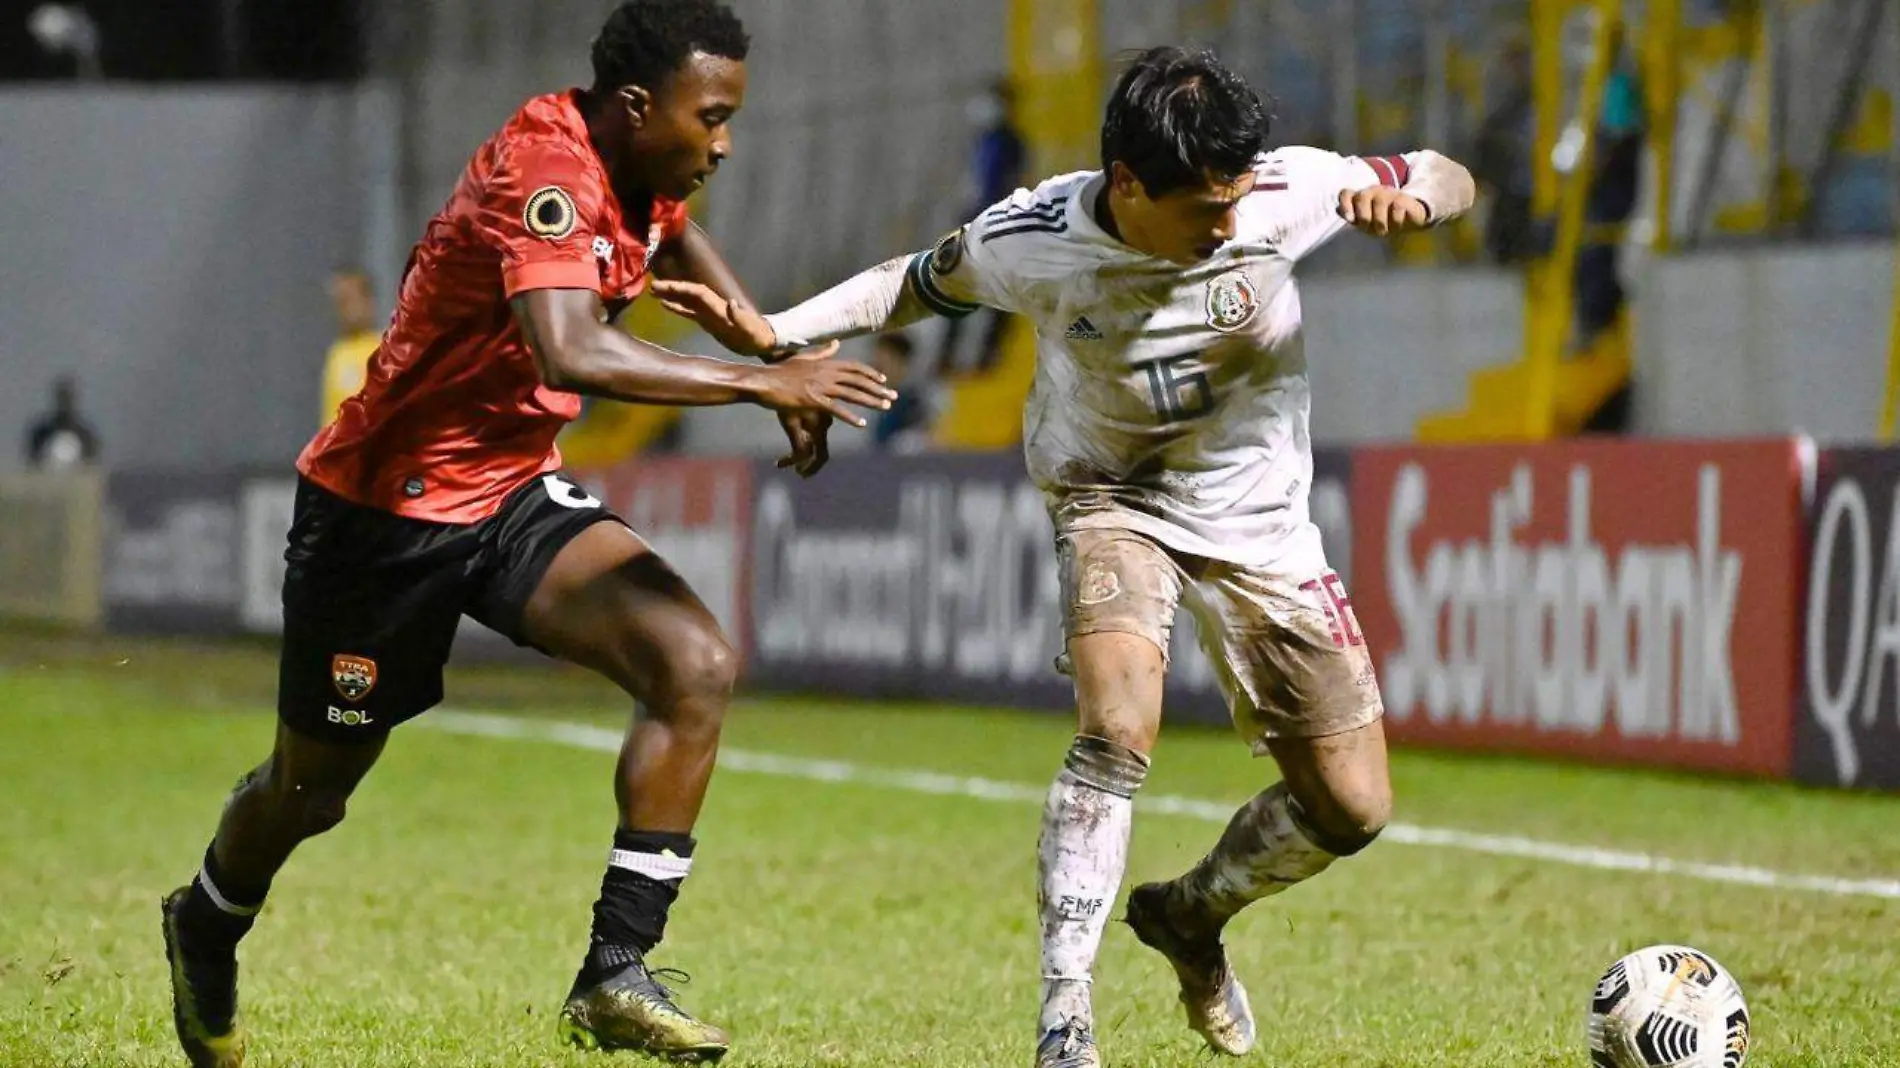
x=1330, y=593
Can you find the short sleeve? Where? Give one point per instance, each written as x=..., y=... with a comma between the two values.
x=540, y=210
x=1313, y=178
x=964, y=272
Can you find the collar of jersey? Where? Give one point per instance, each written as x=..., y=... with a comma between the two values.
x=1083, y=224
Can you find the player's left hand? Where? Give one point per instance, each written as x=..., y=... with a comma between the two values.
x=1381, y=210
x=739, y=328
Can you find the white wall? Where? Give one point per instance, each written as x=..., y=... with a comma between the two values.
x=854, y=138
x=169, y=248
x=1766, y=342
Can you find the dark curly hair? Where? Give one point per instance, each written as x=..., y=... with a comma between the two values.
x=1176, y=116
x=646, y=40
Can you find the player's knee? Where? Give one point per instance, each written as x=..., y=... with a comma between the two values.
x=301, y=809
x=321, y=811
x=1121, y=721
x=1105, y=765
x=1129, y=733
x=1346, y=823
x=699, y=673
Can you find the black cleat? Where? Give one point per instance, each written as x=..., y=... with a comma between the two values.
x=204, y=993
x=618, y=1004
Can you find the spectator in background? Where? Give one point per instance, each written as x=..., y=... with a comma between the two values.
x=60, y=440
x=905, y=426
x=344, y=368
x=1000, y=161
x=1503, y=159
x=1615, y=182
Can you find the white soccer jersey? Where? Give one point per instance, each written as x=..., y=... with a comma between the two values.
x=1168, y=400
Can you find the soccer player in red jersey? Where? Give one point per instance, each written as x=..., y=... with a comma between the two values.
x=437, y=493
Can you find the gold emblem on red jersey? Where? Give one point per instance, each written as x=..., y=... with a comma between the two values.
x=354, y=676
x=550, y=213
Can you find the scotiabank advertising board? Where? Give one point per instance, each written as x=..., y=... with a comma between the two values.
x=1849, y=730
x=1612, y=601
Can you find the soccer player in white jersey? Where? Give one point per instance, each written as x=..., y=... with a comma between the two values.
x=1168, y=430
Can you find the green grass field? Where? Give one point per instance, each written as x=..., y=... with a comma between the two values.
x=863, y=922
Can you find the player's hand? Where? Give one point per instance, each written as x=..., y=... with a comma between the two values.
x=1380, y=210
x=813, y=383
x=808, y=432
x=739, y=328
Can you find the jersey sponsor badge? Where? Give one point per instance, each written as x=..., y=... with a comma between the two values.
x=948, y=255
x=1232, y=302
x=550, y=213
x=354, y=676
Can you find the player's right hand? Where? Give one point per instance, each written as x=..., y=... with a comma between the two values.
x=740, y=329
x=824, y=385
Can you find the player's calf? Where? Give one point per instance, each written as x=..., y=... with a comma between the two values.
x=1081, y=855
x=1268, y=846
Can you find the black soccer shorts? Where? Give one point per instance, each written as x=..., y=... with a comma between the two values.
x=372, y=599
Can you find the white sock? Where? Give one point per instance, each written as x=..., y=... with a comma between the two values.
x=1265, y=849
x=1080, y=859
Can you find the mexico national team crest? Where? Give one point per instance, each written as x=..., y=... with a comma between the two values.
x=1232, y=302
x=354, y=676
x=550, y=213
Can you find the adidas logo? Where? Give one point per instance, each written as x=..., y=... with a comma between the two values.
x=1082, y=330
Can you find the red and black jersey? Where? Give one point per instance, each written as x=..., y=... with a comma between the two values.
x=453, y=416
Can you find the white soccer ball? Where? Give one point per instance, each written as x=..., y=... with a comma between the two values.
x=1668, y=1007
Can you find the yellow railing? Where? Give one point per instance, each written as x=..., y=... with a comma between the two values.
x=1549, y=285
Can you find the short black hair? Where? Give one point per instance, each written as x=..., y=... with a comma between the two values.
x=1175, y=116
x=646, y=40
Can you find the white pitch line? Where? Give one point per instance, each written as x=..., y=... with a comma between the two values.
x=602, y=739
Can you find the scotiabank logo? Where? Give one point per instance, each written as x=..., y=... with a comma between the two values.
x=1565, y=635
x=1623, y=601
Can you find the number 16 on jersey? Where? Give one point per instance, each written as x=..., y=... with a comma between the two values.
x=1178, y=394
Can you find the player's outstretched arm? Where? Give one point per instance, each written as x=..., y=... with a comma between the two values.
x=693, y=260
x=693, y=280
x=576, y=351
x=1436, y=189
x=869, y=302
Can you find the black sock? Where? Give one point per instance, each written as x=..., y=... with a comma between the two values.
x=218, y=908
x=643, y=878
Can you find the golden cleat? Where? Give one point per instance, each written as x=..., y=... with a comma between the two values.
x=204, y=996
x=629, y=1010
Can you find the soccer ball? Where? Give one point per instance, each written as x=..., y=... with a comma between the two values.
x=1668, y=1007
